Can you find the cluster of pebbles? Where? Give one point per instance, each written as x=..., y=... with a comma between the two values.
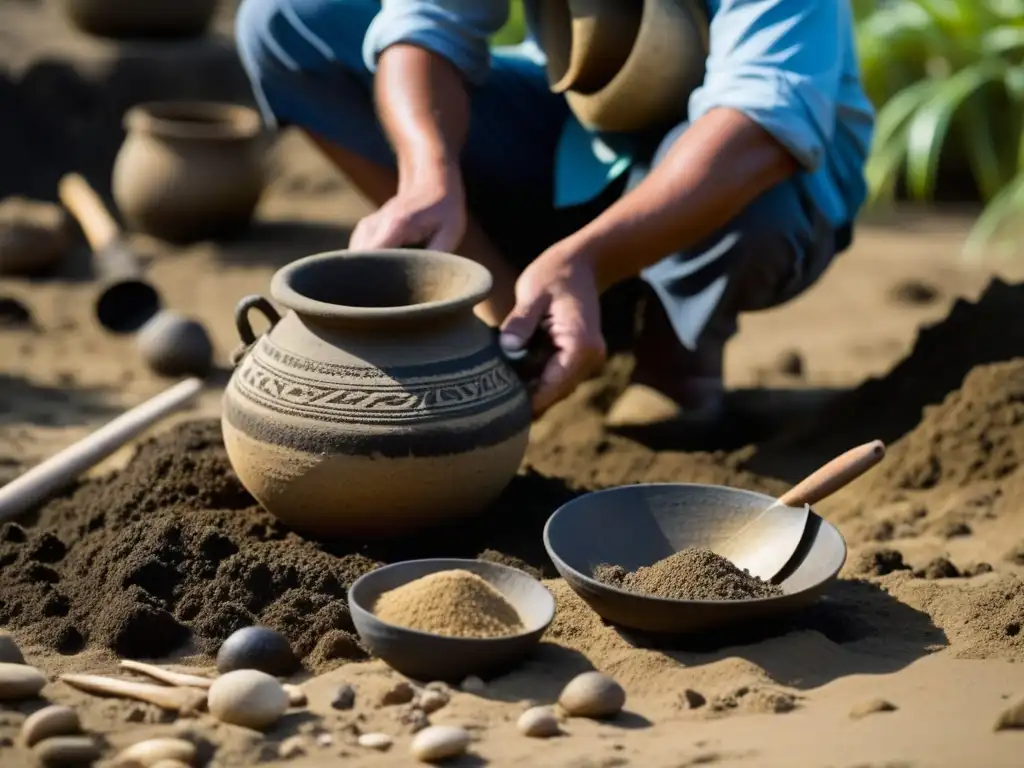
x=248, y=692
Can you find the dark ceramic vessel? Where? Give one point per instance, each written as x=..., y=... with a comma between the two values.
x=379, y=403
x=638, y=525
x=425, y=656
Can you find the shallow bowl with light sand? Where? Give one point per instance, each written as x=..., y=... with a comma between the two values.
x=428, y=656
x=637, y=525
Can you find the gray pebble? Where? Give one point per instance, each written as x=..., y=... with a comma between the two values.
x=20, y=681
x=10, y=653
x=592, y=694
x=174, y=345
x=344, y=697
x=66, y=751
x=259, y=648
x=439, y=742
x=55, y=720
x=472, y=684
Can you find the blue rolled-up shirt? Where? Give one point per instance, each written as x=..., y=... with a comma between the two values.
x=788, y=65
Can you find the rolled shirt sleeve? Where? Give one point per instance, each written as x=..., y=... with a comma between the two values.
x=458, y=30
x=779, y=62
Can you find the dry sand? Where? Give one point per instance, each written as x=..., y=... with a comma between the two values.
x=944, y=651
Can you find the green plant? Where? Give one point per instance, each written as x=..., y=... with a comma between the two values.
x=515, y=28
x=949, y=75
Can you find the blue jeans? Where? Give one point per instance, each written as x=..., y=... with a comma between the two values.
x=305, y=63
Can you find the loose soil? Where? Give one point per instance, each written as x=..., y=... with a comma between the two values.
x=160, y=552
x=451, y=603
x=690, y=574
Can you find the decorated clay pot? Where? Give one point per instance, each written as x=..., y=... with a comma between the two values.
x=189, y=171
x=141, y=19
x=379, y=403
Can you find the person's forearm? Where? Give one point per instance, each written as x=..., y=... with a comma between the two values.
x=716, y=168
x=424, y=108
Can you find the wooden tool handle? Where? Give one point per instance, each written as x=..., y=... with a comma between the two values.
x=838, y=473
x=86, y=206
x=60, y=469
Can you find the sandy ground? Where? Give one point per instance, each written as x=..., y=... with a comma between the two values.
x=65, y=377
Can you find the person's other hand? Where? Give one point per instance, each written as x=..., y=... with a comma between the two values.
x=429, y=213
x=558, y=293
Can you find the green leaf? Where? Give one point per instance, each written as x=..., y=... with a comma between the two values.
x=1007, y=203
x=1002, y=41
x=927, y=131
x=896, y=112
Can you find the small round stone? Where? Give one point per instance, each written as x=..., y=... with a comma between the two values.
x=439, y=742
x=152, y=751
x=592, y=694
x=401, y=692
x=174, y=345
x=257, y=648
x=55, y=720
x=379, y=741
x=296, y=696
x=472, y=684
x=344, y=697
x=431, y=701
x=20, y=681
x=10, y=653
x=66, y=751
x=538, y=722
x=247, y=697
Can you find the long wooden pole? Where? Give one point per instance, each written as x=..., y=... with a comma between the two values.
x=62, y=468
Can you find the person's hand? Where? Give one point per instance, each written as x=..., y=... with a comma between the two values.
x=428, y=212
x=558, y=293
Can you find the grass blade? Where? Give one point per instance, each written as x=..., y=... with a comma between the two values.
x=996, y=213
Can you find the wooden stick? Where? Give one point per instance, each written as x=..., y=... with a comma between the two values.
x=85, y=205
x=62, y=468
x=169, y=676
x=184, y=701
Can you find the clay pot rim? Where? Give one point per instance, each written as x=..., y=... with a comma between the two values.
x=210, y=120
x=477, y=288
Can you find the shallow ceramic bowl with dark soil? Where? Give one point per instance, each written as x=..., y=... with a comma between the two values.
x=638, y=525
x=426, y=656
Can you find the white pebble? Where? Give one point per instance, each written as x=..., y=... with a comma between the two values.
x=55, y=720
x=296, y=696
x=379, y=741
x=538, y=722
x=248, y=698
x=152, y=751
x=592, y=694
x=324, y=740
x=439, y=742
x=431, y=701
x=20, y=681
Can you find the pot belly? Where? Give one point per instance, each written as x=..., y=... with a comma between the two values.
x=334, y=495
x=340, y=451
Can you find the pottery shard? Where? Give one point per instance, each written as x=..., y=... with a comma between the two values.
x=870, y=707
x=538, y=722
x=248, y=698
x=55, y=720
x=439, y=742
x=66, y=751
x=1012, y=717
x=150, y=752
x=592, y=694
x=10, y=653
x=19, y=681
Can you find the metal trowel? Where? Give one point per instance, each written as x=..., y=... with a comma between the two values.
x=765, y=545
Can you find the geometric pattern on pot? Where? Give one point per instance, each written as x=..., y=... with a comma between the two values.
x=418, y=393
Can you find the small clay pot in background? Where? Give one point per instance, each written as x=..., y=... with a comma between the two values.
x=34, y=236
x=148, y=19
x=190, y=171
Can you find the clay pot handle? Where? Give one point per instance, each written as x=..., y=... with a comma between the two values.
x=242, y=316
x=838, y=473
